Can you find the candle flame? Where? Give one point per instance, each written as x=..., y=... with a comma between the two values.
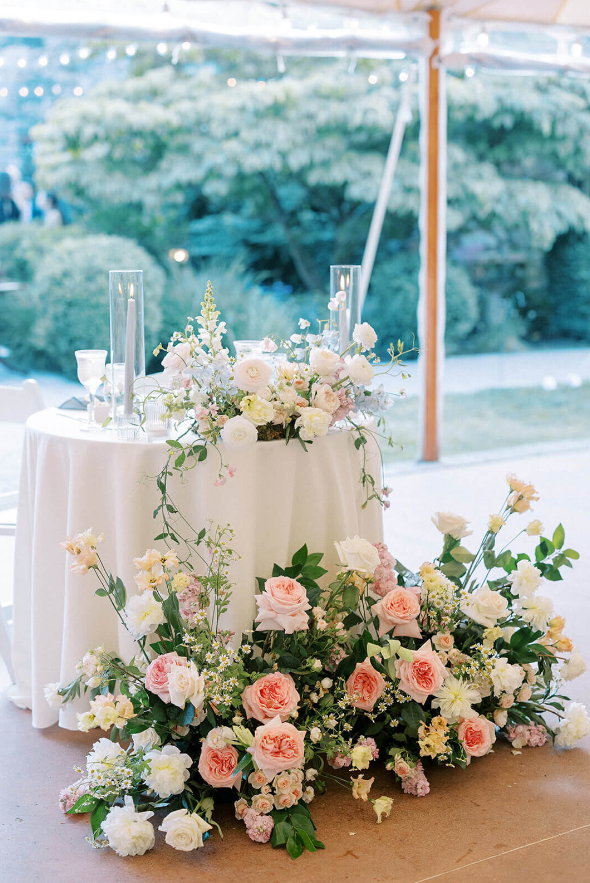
x=131, y=289
x=341, y=282
x=120, y=289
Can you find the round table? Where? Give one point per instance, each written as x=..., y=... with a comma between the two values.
x=280, y=497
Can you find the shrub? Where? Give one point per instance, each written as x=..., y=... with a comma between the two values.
x=568, y=270
x=70, y=297
x=22, y=246
x=392, y=302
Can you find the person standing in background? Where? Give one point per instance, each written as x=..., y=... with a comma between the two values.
x=24, y=196
x=54, y=215
x=8, y=208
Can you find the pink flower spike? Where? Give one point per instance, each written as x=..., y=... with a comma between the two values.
x=231, y=470
x=220, y=481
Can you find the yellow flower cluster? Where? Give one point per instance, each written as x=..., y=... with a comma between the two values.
x=433, y=738
x=523, y=494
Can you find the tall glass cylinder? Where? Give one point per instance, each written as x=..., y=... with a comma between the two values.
x=345, y=301
x=127, y=338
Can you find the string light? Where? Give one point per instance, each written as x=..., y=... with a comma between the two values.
x=84, y=52
x=577, y=49
x=231, y=82
x=469, y=71
x=111, y=54
x=483, y=39
x=43, y=61
x=186, y=45
x=56, y=89
x=38, y=91
x=162, y=48
x=373, y=79
x=131, y=50
x=22, y=62
x=403, y=76
x=64, y=58
x=78, y=91
x=23, y=91
x=180, y=255
x=3, y=92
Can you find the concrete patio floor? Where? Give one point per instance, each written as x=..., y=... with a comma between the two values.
x=506, y=818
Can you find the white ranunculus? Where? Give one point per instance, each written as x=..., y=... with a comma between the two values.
x=186, y=684
x=536, y=610
x=239, y=432
x=103, y=756
x=574, y=727
x=143, y=614
x=323, y=362
x=451, y=525
x=252, y=375
x=52, y=697
x=485, y=606
x=177, y=358
x=325, y=398
x=573, y=667
x=313, y=423
x=358, y=554
x=506, y=678
x=365, y=335
x=526, y=579
x=167, y=770
x=146, y=739
x=128, y=831
x=359, y=369
x=184, y=830
x=257, y=409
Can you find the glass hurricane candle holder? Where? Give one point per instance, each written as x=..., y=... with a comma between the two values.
x=345, y=302
x=127, y=338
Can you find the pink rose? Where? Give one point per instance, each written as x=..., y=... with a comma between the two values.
x=277, y=747
x=398, y=611
x=282, y=606
x=366, y=684
x=156, y=675
x=477, y=734
x=217, y=766
x=274, y=694
x=423, y=676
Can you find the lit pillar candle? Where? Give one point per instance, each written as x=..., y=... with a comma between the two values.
x=129, y=354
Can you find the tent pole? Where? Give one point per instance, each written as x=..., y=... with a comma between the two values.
x=404, y=115
x=431, y=307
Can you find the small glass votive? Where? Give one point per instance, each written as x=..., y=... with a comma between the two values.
x=248, y=348
x=127, y=427
x=157, y=424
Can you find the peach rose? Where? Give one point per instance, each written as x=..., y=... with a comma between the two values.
x=282, y=606
x=156, y=674
x=271, y=695
x=277, y=747
x=402, y=768
x=217, y=766
x=398, y=610
x=477, y=734
x=366, y=684
x=423, y=676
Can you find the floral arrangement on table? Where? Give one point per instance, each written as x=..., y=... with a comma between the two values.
x=383, y=663
x=300, y=390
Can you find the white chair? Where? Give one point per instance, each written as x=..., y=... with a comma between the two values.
x=17, y=403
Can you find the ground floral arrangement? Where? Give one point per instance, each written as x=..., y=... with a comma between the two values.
x=410, y=668
x=296, y=390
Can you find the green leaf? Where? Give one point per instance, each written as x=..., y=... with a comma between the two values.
x=413, y=714
x=489, y=559
x=558, y=536
x=350, y=597
x=571, y=553
x=460, y=553
x=171, y=442
x=120, y=593
x=306, y=840
x=102, y=593
x=294, y=846
x=373, y=649
x=300, y=557
x=504, y=559
x=180, y=460
x=99, y=814
x=86, y=803
x=281, y=833
x=453, y=569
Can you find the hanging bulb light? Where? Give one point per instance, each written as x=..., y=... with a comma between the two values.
x=43, y=61
x=23, y=91
x=483, y=39
x=38, y=91
x=469, y=71
x=131, y=50
x=111, y=54
x=403, y=76
x=64, y=58
x=22, y=62
x=84, y=52
x=162, y=48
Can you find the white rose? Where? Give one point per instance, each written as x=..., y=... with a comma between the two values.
x=167, y=771
x=365, y=335
x=451, y=525
x=315, y=734
x=485, y=606
x=324, y=362
x=239, y=433
x=325, y=398
x=524, y=694
x=358, y=554
x=574, y=727
x=573, y=667
x=52, y=697
x=186, y=684
x=359, y=369
x=146, y=739
x=257, y=409
x=184, y=831
x=526, y=579
x=128, y=831
x=103, y=756
x=500, y=717
x=252, y=375
x=288, y=395
x=313, y=423
x=506, y=678
x=143, y=614
x=536, y=610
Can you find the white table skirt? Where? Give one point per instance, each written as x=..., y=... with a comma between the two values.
x=280, y=498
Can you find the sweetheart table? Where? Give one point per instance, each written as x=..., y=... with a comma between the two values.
x=280, y=497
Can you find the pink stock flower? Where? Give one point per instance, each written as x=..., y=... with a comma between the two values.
x=365, y=685
x=156, y=675
x=385, y=576
x=269, y=696
x=423, y=676
x=340, y=760
x=217, y=766
x=523, y=734
x=282, y=606
x=189, y=600
x=68, y=796
x=416, y=783
x=259, y=826
x=398, y=610
x=370, y=743
x=277, y=747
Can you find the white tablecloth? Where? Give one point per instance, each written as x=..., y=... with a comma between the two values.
x=280, y=497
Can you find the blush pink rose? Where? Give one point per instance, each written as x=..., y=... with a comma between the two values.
x=217, y=766
x=277, y=747
x=271, y=695
x=398, y=610
x=366, y=684
x=477, y=734
x=282, y=606
x=423, y=676
x=156, y=674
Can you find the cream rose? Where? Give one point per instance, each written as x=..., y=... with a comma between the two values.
x=186, y=684
x=359, y=369
x=451, y=525
x=326, y=399
x=257, y=409
x=313, y=423
x=239, y=432
x=323, y=362
x=358, y=554
x=252, y=375
x=485, y=606
x=184, y=830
